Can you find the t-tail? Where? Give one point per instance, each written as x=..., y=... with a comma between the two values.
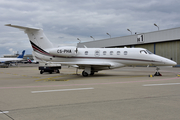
x=22, y=55
x=37, y=38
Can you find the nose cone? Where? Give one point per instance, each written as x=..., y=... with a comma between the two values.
x=170, y=62
x=164, y=61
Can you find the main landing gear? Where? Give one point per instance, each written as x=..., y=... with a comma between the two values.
x=85, y=74
x=88, y=71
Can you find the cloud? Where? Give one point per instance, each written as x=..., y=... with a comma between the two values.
x=65, y=21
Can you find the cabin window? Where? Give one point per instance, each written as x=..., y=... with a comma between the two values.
x=125, y=52
x=118, y=52
x=143, y=52
x=97, y=53
x=104, y=52
x=111, y=52
x=86, y=52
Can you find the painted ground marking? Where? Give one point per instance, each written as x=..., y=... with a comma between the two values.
x=161, y=84
x=60, y=90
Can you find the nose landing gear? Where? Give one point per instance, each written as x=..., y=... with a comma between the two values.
x=157, y=72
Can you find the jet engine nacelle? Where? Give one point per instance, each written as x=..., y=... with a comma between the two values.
x=63, y=51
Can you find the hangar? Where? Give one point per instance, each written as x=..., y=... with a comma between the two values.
x=165, y=43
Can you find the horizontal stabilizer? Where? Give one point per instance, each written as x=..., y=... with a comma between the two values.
x=22, y=27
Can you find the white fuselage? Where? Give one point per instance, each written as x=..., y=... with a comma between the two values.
x=90, y=59
x=117, y=57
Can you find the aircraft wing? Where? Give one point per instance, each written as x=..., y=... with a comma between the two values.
x=86, y=63
x=90, y=63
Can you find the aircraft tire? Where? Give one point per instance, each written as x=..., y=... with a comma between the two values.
x=85, y=74
x=57, y=71
x=41, y=72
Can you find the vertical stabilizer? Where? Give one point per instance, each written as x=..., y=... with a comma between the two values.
x=22, y=55
x=38, y=39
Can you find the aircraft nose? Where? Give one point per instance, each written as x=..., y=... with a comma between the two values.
x=170, y=63
x=174, y=63
x=165, y=61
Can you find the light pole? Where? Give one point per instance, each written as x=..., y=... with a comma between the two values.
x=156, y=26
x=92, y=37
x=129, y=31
x=108, y=34
x=79, y=40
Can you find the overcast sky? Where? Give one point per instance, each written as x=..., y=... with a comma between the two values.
x=63, y=21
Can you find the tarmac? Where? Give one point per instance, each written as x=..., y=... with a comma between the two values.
x=121, y=94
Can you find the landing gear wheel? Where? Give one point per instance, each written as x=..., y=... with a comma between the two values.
x=57, y=71
x=85, y=74
x=41, y=72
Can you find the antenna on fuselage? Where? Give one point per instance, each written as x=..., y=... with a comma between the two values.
x=76, y=46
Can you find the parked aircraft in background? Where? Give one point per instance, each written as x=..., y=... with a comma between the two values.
x=90, y=59
x=8, y=61
x=31, y=61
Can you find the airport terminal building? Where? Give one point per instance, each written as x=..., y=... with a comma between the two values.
x=165, y=43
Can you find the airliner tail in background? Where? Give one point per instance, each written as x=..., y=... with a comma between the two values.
x=21, y=55
x=7, y=61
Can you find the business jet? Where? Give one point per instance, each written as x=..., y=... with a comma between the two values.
x=7, y=61
x=90, y=59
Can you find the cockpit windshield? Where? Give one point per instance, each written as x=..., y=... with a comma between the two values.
x=145, y=52
x=149, y=52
